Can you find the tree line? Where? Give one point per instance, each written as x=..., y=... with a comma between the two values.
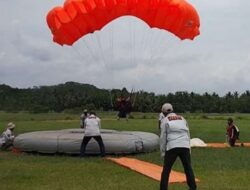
x=73, y=96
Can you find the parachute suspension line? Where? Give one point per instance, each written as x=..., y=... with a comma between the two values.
x=78, y=52
x=131, y=93
x=101, y=48
x=136, y=93
x=131, y=44
x=76, y=49
x=171, y=46
x=157, y=40
x=149, y=45
x=159, y=50
x=87, y=46
x=132, y=41
x=111, y=100
x=134, y=44
x=142, y=44
x=144, y=36
x=111, y=40
x=112, y=59
x=145, y=42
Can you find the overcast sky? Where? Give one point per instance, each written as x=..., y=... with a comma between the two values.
x=127, y=53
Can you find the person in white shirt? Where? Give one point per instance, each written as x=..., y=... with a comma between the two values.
x=92, y=125
x=7, y=137
x=175, y=142
x=161, y=117
x=83, y=116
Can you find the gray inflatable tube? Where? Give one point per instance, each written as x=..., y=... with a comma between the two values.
x=69, y=141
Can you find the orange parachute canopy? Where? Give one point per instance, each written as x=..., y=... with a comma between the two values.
x=80, y=17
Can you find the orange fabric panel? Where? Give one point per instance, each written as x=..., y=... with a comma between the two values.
x=84, y=18
x=52, y=21
x=148, y=169
x=68, y=28
x=78, y=4
x=191, y=24
x=146, y=10
x=175, y=16
x=224, y=145
x=77, y=19
x=56, y=20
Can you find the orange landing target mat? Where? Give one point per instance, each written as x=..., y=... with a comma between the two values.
x=148, y=169
x=225, y=145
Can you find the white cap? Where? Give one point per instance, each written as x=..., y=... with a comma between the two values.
x=11, y=125
x=167, y=108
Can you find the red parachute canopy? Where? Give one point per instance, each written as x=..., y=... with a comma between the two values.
x=80, y=17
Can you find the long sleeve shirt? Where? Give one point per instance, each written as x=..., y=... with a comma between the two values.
x=7, y=136
x=174, y=133
x=92, y=126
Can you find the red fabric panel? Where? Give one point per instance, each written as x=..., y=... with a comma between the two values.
x=80, y=17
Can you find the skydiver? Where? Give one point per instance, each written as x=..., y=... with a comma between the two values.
x=123, y=108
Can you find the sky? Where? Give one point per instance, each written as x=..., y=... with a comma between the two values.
x=127, y=53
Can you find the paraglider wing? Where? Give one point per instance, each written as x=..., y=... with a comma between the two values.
x=80, y=17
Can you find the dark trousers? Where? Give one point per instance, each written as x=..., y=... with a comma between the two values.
x=232, y=141
x=86, y=140
x=169, y=159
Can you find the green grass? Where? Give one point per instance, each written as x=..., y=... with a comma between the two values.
x=218, y=169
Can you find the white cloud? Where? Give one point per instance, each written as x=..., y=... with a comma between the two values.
x=127, y=52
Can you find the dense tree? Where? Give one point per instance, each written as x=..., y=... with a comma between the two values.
x=76, y=96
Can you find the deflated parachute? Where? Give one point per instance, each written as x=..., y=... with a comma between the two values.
x=80, y=17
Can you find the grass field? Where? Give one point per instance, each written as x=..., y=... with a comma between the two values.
x=218, y=169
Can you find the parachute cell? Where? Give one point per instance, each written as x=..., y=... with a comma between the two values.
x=80, y=17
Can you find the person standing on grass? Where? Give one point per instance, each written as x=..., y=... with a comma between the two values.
x=84, y=115
x=161, y=117
x=232, y=133
x=92, y=125
x=7, y=137
x=175, y=142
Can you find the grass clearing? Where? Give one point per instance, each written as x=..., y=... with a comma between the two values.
x=218, y=169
